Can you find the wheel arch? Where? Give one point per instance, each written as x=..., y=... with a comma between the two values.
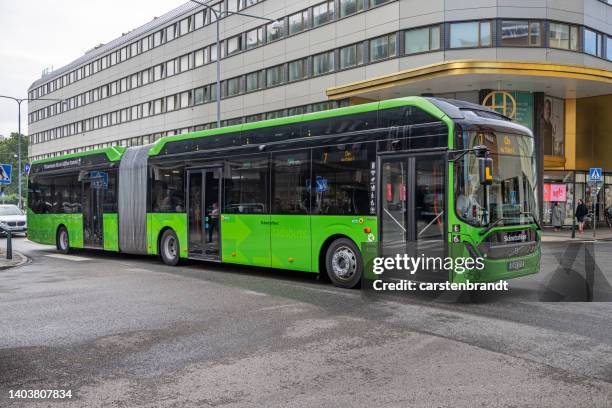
x=159, y=237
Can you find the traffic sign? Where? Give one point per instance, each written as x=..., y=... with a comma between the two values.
x=595, y=174
x=5, y=174
x=26, y=168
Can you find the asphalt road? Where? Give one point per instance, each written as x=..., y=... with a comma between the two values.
x=122, y=331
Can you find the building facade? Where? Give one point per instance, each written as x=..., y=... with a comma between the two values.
x=545, y=63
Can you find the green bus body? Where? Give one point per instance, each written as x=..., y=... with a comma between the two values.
x=295, y=242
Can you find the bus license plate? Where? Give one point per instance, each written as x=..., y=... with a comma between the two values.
x=516, y=265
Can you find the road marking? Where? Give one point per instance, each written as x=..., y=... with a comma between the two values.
x=70, y=257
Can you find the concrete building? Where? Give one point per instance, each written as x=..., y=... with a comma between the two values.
x=546, y=63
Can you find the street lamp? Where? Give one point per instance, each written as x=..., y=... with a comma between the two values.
x=218, y=14
x=19, y=101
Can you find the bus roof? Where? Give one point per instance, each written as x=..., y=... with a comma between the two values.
x=112, y=154
x=421, y=102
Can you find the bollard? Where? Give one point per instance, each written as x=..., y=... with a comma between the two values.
x=9, y=245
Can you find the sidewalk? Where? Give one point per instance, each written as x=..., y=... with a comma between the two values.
x=565, y=234
x=18, y=259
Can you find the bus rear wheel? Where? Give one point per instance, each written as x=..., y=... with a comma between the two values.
x=343, y=263
x=169, y=248
x=62, y=241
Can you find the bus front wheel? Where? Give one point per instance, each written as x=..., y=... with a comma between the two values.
x=62, y=241
x=169, y=248
x=343, y=263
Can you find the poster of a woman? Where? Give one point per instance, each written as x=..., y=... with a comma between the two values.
x=552, y=127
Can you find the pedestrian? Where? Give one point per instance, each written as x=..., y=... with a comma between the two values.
x=581, y=213
x=557, y=216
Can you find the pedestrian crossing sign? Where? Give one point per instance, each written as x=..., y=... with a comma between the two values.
x=595, y=174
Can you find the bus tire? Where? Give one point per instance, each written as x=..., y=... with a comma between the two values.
x=343, y=263
x=169, y=248
x=62, y=240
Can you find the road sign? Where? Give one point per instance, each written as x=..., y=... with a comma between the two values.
x=99, y=179
x=26, y=168
x=595, y=174
x=5, y=174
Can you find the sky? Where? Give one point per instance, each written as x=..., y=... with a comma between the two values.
x=37, y=34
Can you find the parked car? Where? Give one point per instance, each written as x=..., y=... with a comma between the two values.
x=13, y=219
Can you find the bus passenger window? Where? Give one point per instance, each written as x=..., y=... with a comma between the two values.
x=246, y=186
x=292, y=185
x=167, y=189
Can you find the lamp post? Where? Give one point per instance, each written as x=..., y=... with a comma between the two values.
x=218, y=15
x=19, y=101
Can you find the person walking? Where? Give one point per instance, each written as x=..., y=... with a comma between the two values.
x=581, y=213
x=557, y=216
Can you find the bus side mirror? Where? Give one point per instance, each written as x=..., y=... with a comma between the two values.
x=485, y=170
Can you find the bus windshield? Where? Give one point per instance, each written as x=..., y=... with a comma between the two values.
x=511, y=198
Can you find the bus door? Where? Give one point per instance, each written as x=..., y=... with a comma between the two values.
x=93, y=184
x=412, y=205
x=204, y=209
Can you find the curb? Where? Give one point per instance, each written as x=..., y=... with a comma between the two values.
x=22, y=261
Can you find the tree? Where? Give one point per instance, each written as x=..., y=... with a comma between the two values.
x=8, y=155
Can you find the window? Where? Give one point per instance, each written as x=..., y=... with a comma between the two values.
x=291, y=183
x=184, y=63
x=134, y=81
x=170, y=65
x=274, y=31
x=123, y=53
x=563, y=36
x=253, y=81
x=254, y=37
x=234, y=45
x=593, y=42
x=199, y=58
x=298, y=22
x=274, y=76
x=213, y=52
x=158, y=72
x=184, y=26
x=233, y=86
x=323, y=63
x=158, y=106
x=170, y=33
x=297, y=70
x=348, y=7
x=609, y=48
x=167, y=189
x=134, y=49
x=232, y=6
x=322, y=13
x=170, y=103
x=144, y=44
x=198, y=96
x=198, y=20
x=340, y=182
x=382, y=47
x=185, y=99
x=145, y=77
x=374, y=3
x=157, y=38
x=351, y=56
x=521, y=33
x=145, y=109
x=245, y=188
x=422, y=39
x=470, y=34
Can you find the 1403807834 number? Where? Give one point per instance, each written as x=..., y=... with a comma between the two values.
x=40, y=394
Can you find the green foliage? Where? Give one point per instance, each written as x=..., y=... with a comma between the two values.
x=8, y=155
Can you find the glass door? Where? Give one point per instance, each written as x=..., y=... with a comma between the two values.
x=92, y=192
x=204, y=208
x=412, y=204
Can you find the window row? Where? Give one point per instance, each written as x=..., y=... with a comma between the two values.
x=65, y=130
x=309, y=18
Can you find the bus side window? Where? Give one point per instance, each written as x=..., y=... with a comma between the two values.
x=167, y=189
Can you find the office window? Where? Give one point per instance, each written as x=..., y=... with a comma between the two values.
x=253, y=81
x=382, y=47
x=144, y=77
x=274, y=75
x=170, y=68
x=245, y=189
x=199, y=58
x=134, y=81
x=374, y=3
x=134, y=49
x=123, y=53
x=348, y=7
x=593, y=42
x=184, y=26
x=323, y=63
x=144, y=44
x=185, y=99
x=158, y=72
x=158, y=106
x=170, y=33
x=470, y=34
x=563, y=36
x=291, y=183
x=351, y=56
x=521, y=33
x=609, y=48
x=254, y=37
x=213, y=52
x=274, y=31
x=232, y=6
x=298, y=22
x=113, y=118
x=233, y=86
x=198, y=96
x=170, y=103
x=322, y=13
x=123, y=84
x=198, y=20
x=298, y=70
x=422, y=39
x=157, y=38
x=145, y=109
x=184, y=63
x=124, y=116
x=234, y=45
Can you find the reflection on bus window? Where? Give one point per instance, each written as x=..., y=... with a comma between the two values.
x=167, y=189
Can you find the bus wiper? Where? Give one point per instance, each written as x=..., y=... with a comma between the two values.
x=491, y=226
x=535, y=220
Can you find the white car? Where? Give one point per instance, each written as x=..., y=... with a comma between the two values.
x=12, y=219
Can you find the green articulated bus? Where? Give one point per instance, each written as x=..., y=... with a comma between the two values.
x=307, y=192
